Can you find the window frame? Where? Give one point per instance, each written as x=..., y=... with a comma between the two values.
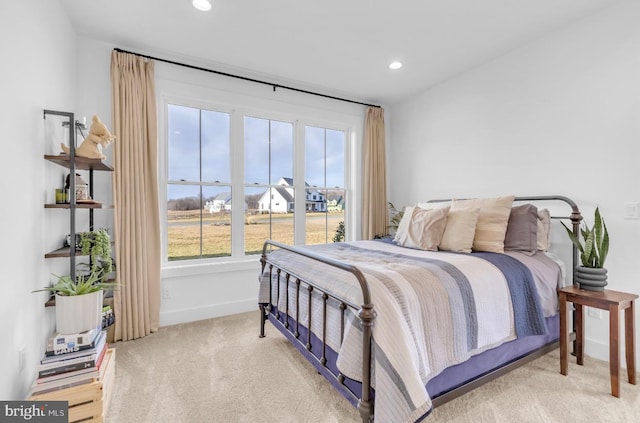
x=238, y=106
x=201, y=184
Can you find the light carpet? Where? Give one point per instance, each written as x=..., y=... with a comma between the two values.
x=218, y=370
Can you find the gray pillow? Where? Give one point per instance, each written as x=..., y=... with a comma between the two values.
x=522, y=229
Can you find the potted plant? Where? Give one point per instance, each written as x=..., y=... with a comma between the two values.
x=591, y=274
x=339, y=235
x=396, y=217
x=79, y=302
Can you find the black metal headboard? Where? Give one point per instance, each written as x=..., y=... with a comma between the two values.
x=575, y=217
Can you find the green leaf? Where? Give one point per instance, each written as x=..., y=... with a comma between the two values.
x=604, y=246
x=594, y=249
x=574, y=239
x=589, y=246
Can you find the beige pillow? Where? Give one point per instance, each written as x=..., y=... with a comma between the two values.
x=544, y=229
x=492, y=221
x=425, y=229
x=460, y=230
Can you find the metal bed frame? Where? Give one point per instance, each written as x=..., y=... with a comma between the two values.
x=366, y=314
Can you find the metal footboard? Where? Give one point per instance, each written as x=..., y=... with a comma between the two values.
x=364, y=312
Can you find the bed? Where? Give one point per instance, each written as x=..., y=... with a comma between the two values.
x=464, y=292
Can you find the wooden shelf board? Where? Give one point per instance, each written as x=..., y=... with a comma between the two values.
x=61, y=252
x=78, y=206
x=51, y=302
x=82, y=163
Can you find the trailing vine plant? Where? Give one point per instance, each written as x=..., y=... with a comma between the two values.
x=97, y=245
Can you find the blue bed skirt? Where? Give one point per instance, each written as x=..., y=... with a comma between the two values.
x=451, y=378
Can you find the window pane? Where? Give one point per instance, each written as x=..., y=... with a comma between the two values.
x=281, y=150
x=256, y=221
x=256, y=150
x=335, y=145
x=335, y=215
x=215, y=147
x=269, y=215
x=183, y=222
x=216, y=221
x=282, y=205
x=268, y=150
x=183, y=143
x=314, y=156
x=324, y=168
x=323, y=227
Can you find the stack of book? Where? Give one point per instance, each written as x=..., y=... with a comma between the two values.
x=71, y=360
x=108, y=318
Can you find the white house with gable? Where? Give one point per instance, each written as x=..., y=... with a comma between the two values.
x=221, y=202
x=280, y=199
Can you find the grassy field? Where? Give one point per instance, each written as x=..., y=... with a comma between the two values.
x=184, y=232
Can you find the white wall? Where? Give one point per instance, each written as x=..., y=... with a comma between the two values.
x=37, y=72
x=558, y=116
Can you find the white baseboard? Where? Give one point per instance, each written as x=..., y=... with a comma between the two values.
x=600, y=351
x=186, y=315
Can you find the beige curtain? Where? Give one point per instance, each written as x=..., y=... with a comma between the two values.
x=375, y=212
x=135, y=193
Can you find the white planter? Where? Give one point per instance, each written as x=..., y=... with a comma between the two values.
x=78, y=313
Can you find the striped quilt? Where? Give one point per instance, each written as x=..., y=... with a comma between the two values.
x=434, y=310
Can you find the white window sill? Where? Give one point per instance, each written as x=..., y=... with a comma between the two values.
x=177, y=269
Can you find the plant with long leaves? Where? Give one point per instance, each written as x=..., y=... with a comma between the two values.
x=396, y=216
x=85, y=283
x=594, y=250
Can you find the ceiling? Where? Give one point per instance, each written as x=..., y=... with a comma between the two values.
x=337, y=47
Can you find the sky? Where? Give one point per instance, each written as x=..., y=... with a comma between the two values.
x=269, y=147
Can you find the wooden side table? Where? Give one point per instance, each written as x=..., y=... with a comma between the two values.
x=614, y=302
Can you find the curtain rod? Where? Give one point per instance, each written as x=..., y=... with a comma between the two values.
x=257, y=81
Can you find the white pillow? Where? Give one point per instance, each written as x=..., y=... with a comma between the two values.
x=492, y=221
x=424, y=230
x=431, y=206
x=403, y=226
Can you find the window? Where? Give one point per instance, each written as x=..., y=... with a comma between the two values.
x=324, y=170
x=236, y=178
x=268, y=169
x=198, y=188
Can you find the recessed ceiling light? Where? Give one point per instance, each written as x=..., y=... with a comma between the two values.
x=395, y=65
x=203, y=5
